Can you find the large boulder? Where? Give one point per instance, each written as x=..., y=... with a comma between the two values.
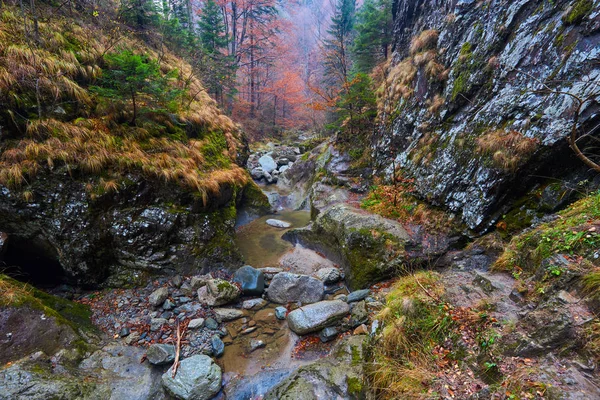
x=251, y=280
x=197, y=378
x=267, y=163
x=339, y=376
x=314, y=317
x=287, y=287
x=218, y=292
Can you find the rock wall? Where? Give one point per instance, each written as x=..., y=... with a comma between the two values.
x=463, y=111
x=120, y=238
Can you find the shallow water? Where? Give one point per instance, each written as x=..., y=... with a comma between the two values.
x=261, y=244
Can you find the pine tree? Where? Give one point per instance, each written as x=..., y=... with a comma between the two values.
x=337, y=46
x=140, y=13
x=373, y=34
x=218, y=67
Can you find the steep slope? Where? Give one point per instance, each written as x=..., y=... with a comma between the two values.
x=464, y=110
x=107, y=184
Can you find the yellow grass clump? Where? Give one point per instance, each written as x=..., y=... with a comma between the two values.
x=508, y=149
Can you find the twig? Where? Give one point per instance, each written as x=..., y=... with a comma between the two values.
x=180, y=334
x=437, y=299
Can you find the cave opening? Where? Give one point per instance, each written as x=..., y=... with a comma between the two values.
x=28, y=261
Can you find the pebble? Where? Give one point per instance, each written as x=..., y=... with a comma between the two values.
x=177, y=280
x=124, y=332
x=358, y=295
x=157, y=323
x=328, y=334
x=280, y=312
x=184, y=299
x=361, y=330
x=254, y=304
x=158, y=297
x=248, y=330
x=256, y=344
x=168, y=305
x=196, y=323
x=218, y=347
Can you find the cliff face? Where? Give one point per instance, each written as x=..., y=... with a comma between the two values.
x=463, y=108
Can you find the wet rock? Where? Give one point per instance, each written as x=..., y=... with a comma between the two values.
x=287, y=287
x=160, y=354
x=329, y=275
x=358, y=295
x=280, y=312
x=313, y=317
x=211, y=324
x=270, y=272
x=251, y=280
x=328, y=334
x=196, y=323
x=218, y=292
x=255, y=344
x=359, y=314
x=266, y=317
x=278, y=223
x=338, y=376
x=248, y=330
x=227, y=314
x=267, y=163
x=157, y=323
x=254, y=304
x=158, y=297
x=218, y=347
x=197, y=378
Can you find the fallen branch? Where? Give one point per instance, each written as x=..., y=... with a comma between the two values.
x=180, y=334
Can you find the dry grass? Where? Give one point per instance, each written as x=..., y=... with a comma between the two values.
x=12, y=292
x=436, y=104
x=508, y=149
x=426, y=40
x=90, y=134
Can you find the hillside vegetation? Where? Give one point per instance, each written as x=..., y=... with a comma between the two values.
x=98, y=100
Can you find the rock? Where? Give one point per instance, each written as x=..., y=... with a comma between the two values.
x=287, y=287
x=278, y=223
x=196, y=323
x=313, y=317
x=283, y=168
x=328, y=334
x=251, y=280
x=358, y=295
x=270, y=272
x=359, y=314
x=186, y=289
x=227, y=314
x=342, y=297
x=157, y=323
x=168, y=305
x=211, y=324
x=124, y=332
x=280, y=312
x=329, y=275
x=177, y=281
x=257, y=173
x=254, y=304
x=255, y=344
x=199, y=280
x=197, y=378
x=361, y=330
x=3, y=246
x=160, y=354
x=218, y=292
x=338, y=376
x=267, y=163
x=218, y=347
x=248, y=330
x=158, y=296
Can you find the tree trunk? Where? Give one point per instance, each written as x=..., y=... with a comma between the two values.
x=133, y=120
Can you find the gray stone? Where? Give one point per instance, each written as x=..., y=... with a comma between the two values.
x=168, y=305
x=251, y=280
x=358, y=295
x=270, y=272
x=161, y=354
x=218, y=292
x=196, y=323
x=287, y=287
x=314, y=317
x=218, y=347
x=197, y=378
x=280, y=312
x=359, y=314
x=186, y=289
x=157, y=323
x=177, y=281
x=267, y=163
x=158, y=297
x=328, y=334
x=254, y=304
x=199, y=280
x=278, y=223
x=227, y=314
x=329, y=275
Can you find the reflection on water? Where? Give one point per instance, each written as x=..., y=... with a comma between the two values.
x=261, y=244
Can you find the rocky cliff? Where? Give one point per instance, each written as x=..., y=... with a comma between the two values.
x=465, y=108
